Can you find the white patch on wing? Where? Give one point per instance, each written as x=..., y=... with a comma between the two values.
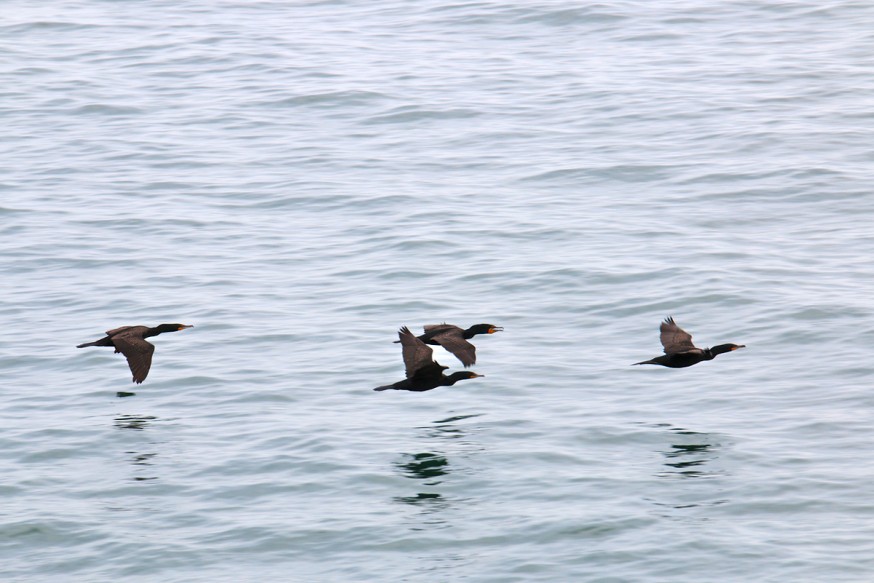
x=444, y=357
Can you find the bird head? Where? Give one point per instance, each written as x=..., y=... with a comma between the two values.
x=462, y=375
x=483, y=329
x=725, y=348
x=172, y=327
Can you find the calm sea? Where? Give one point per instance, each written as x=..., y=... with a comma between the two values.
x=300, y=179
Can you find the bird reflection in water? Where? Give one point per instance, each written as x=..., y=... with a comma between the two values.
x=689, y=455
x=430, y=468
x=140, y=461
x=432, y=512
x=689, y=452
x=425, y=467
x=445, y=428
x=138, y=422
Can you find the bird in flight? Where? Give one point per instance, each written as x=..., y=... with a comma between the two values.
x=131, y=342
x=423, y=373
x=679, y=350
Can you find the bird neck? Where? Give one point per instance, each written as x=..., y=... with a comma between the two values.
x=159, y=330
x=454, y=378
x=473, y=331
x=716, y=350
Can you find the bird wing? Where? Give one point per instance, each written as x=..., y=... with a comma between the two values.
x=118, y=330
x=138, y=353
x=430, y=374
x=457, y=345
x=674, y=338
x=433, y=329
x=452, y=339
x=416, y=353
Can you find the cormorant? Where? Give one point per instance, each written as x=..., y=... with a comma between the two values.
x=130, y=341
x=455, y=340
x=679, y=350
x=423, y=374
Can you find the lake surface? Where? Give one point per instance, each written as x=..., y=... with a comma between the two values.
x=298, y=180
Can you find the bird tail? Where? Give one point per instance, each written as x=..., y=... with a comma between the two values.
x=645, y=362
x=384, y=388
x=106, y=341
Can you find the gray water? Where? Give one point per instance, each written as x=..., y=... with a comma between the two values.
x=300, y=179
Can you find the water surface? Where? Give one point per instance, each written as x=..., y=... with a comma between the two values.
x=300, y=180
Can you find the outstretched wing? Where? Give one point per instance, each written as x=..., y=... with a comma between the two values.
x=416, y=353
x=118, y=330
x=457, y=345
x=452, y=339
x=674, y=338
x=434, y=329
x=138, y=353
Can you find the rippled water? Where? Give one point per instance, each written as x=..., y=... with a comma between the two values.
x=298, y=180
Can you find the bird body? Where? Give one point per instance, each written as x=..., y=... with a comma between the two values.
x=455, y=339
x=423, y=373
x=130, y=341
x=679, y=350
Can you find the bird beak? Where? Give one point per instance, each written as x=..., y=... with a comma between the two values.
x=184, y=326
x=739, y=346
x=494, y=329
x=476, y=376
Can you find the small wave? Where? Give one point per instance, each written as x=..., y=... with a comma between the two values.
x=414, y=114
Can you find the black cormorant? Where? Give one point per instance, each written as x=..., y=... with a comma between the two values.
x=455, y=340
x=423, y=374
x=679, y=350
x=130, y=341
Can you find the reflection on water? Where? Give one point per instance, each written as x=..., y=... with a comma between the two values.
x=424, y=466
x=133, y=421
x=141, y=461
x=689, y=452
x=457, y=418
x=431, y=468
x=445, y=453
x=429, y=503
x=445, y=428
x=691, y=460
x=420, y=497
x=676, y=506
x=682, y=452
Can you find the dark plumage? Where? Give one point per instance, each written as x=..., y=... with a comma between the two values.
x=423, y=374
x=130, y=341
x=455, y=340
x=679, y=350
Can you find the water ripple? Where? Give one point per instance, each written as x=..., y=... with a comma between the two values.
x=300, y=181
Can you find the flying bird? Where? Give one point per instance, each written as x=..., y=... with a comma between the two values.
x=455, y=339
x=130, y=341
x=423, y=373
x=679, y=350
